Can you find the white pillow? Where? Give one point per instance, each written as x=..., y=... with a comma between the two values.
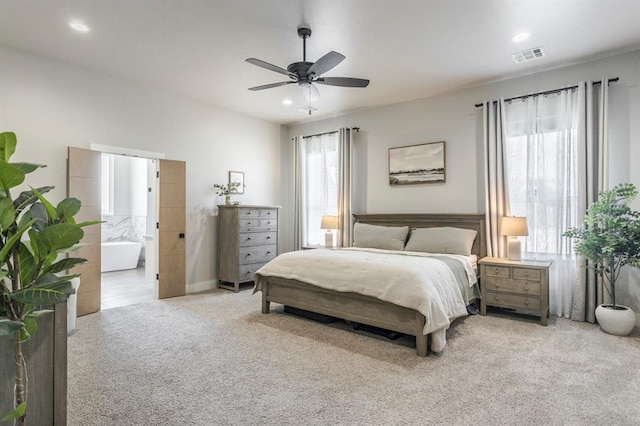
x=381, y=237
x=442, y=240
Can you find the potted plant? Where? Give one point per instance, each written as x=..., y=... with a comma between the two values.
x=33, y=235
x=226, y=190
x=609, y=239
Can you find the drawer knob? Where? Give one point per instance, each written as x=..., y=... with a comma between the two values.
x=526, y=273
x=269, y=252
x=496, y=270
x=526, y=288
x=268, y=238
x=497, y=285
x=526, y=302
x=248, y=254
x=497, y=298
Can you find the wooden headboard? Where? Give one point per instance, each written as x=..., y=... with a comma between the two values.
x=427, y=220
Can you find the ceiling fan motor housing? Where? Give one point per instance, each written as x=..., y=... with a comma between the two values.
x=300, y=70
x=304, y=31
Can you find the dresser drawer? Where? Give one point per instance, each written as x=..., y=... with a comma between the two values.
x=247, y=213
x=269, y=213
x=245, y=272
x=257, y=238
x=253, y=254
x=526, y=274
x=512, y=286
x=496, y=271
x=512, y=300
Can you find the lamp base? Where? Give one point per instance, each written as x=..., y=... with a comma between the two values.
x=514, y=249
x=328, y=239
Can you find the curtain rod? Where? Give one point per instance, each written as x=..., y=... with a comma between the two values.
x=357, y=129
x=547, y=92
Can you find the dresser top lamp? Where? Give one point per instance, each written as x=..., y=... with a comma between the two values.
x=329, y=223
x=513, y=227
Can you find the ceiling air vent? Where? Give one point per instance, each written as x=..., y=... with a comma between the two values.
x=528, y=55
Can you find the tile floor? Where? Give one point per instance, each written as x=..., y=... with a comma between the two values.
x=122, y=288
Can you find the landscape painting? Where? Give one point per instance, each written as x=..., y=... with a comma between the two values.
x=424, y=163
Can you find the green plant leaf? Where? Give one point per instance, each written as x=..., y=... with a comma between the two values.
x=51, y=211
x=27, y=167
x=38, y=248
x=94, y=222
x=38, y=213
x=30, y=328
x=68, y=208
x=8, y=142
x=27, y=198
x=64, y=264
x=12, y=240
x=61, y=236
x=26, y=263
x=41, y=295
x=8, y=327
x=10, y=176
x=18, y=412
x=7, y=213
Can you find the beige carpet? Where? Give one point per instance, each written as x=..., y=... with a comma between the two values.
x=214, y=359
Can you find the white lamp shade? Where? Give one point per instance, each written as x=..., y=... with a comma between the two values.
x=514, y=226
x=329, y=222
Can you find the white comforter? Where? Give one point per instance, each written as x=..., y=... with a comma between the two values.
x=408, y=279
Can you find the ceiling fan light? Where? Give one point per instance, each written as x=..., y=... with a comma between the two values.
x=310, y=92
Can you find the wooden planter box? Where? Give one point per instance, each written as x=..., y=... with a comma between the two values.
x=46, y=356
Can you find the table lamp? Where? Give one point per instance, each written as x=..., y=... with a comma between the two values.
x=329, y=223
x=514, y=227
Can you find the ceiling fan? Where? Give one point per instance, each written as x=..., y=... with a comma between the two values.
x=306, y=73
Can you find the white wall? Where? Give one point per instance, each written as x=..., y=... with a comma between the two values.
x=51, y=105
x=454, y=118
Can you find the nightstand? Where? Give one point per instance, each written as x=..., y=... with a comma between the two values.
x=515, y=284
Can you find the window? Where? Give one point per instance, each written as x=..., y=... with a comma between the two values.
x=320, y=157
x=542, y=163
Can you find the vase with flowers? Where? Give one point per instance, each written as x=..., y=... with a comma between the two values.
x=226, y=190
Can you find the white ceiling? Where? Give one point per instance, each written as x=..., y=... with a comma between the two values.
x=409, y=49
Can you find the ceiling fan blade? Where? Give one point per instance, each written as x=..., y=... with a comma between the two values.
x=268, y=66
x=269, y=86
x=325, y=63
x=343, y=81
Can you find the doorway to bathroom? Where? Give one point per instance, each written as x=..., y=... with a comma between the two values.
x=128, y=249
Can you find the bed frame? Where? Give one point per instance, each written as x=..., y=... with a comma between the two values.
x=364, y=309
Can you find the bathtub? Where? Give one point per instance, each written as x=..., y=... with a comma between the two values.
x=119, y=255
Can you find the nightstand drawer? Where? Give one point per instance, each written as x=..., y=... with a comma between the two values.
x=512, y=300
x=497, y=271
x=526, y=274
x=510, y=286
x=247, y=213
x=269, y=213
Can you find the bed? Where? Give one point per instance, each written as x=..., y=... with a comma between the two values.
x=359, y=307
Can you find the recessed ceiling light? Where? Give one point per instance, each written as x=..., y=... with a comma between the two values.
x=520, y=37
x=79, y=27
x=287, y=102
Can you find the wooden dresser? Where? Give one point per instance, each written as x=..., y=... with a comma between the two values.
x=247, y=239
x=515, y=284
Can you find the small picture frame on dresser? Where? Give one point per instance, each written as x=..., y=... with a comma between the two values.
x=237, y=177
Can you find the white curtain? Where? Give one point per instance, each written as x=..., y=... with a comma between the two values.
x=316, y=186
x=556, y=160
x=594, y=173
x=345, y=177
x=299, y=206
x=496, y=195
x=542, y=170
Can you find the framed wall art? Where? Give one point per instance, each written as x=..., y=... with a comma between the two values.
x=237, y=177
x=423, y=163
